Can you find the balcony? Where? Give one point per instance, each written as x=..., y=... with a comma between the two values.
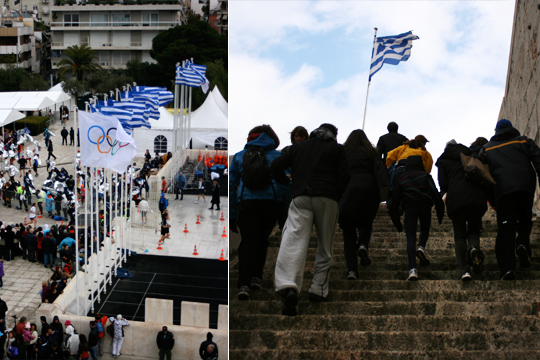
x=82, y=4
x=107, y=46
x=114, y=25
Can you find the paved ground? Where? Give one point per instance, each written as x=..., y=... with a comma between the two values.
x=22, y=280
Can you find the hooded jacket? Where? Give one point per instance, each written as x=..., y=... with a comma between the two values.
x=404, y=151
x=461, y=193
x=509, y=157
x=415, y=187
x=318, y=166
x=238, y=192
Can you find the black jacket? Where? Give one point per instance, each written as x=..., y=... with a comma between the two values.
x=461, y=193
x=318, y=166
x=93, y=337
x=165, y=341
x=3, y=308
x=361, y=197
x=389, y=142
x=204, y=354
x=415, y=187
x=49, y=245
x=509, y=157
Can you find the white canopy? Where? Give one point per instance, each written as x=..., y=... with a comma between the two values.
x=209, y=115
x=220, y=100
x=25, y=100
x=9, y=116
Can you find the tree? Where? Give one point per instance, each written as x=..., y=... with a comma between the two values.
x=18, y=79
x=74, y=87
x=144, y=73
x=217, y=76
x=103, y=81
x=79, y=62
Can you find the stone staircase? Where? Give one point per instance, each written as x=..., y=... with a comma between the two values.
x=382, y=316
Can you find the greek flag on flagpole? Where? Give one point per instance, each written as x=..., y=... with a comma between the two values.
x=191, y=75
x=391, y=50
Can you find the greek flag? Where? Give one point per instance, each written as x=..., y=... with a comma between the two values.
x=391, y=50
x=192, y=75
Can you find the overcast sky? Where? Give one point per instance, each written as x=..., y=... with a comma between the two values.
x=307, y=62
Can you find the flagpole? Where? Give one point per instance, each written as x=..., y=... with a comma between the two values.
x=369, y=82
x=75, y=115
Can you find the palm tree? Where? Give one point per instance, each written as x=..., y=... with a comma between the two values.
x=78, y=61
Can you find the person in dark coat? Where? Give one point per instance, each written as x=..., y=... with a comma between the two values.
x=215, y=195
x=204, y=352
x=390, y=141
x=64, y=134
x=71, y=136
x=476, y=146
x=514, y=163
x=44, y=326
x=416, y=194
x=165, y=343
x=50, y=149
x=56, y=325
x=466, y=203
x=49, y=250
x=360, y=201
x=31, y=244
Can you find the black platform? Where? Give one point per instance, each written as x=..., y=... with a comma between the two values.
x=166, y=277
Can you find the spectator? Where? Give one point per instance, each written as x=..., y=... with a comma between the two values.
x=118, y=338
x=180, y=185
x=390, y=141
x=71, y=136
x=93, y=339
x=163, y=185
x=3, y=311
x=320, y=174
x=215, y=195
x=101, y=321
x=208, y=349
x=165, y=343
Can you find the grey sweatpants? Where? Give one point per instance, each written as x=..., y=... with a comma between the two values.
x=305, y=211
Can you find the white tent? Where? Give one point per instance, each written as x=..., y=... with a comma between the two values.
x=208, y=124
x=9, y=116
x=31, y=100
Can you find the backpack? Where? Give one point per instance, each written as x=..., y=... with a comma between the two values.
x=110, y=330
x=256, y=171
x=100, y=327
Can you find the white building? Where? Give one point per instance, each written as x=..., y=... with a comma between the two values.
x=18, y=41
x=118, y=30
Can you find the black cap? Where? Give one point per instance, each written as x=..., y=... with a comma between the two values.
x=164, y=328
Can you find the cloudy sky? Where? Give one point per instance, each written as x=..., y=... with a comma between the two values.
x=307, y=62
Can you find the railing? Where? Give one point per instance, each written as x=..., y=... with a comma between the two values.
x=116, y=24
x=116, y=2
x=132, y=44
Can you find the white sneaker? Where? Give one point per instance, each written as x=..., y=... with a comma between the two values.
x=196, y=202
x=466, y=277
x=413, y=275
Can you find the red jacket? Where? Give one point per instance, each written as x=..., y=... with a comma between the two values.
x=103, y=322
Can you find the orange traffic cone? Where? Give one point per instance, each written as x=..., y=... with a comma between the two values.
x=25, y=221
x=159, y=245
x=195, y=251
x=221, y=258
x=198, y=221
x=185, y=229
x=222, y=218
x=224, y=232
x=39, y=215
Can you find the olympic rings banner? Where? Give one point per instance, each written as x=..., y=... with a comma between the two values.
x=104, y=142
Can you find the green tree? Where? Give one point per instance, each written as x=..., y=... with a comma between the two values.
x=144, y=73
x=74, y=87
x=79, y=62
x=17, y=79
x=103, y=81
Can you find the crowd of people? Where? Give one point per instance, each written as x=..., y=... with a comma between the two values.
x=317, y=181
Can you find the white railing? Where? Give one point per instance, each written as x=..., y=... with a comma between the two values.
x=120, y=24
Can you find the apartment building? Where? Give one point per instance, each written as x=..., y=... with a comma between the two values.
x=18, y=41
x=118, y=30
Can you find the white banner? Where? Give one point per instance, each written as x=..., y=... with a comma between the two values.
x=104, y=143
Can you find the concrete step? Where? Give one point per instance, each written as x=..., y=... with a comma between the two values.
x=273, y=307
x=353, y=354
x=346, y=322
x=382, y=341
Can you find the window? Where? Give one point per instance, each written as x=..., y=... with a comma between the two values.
x=121, y=19
x=160, y=144
x=150, y=19
x=71, y=19
x=221, y=143
x=99, y=20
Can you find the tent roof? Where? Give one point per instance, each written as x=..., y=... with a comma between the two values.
x=28, y=100
x=165, y=122
x=220, y=100
x=209, y=115
x=9, y=116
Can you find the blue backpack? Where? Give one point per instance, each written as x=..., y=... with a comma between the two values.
x=100, y=327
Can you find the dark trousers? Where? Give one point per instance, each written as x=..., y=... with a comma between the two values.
x=514, y=215
x=31, y=254
x=410, y=223
x=256, y=219
x=179, y=191
x=466, y=223
x=40, y=205
x=163, y=353
x=64, y=140
x=51, y=154
x=356, y=232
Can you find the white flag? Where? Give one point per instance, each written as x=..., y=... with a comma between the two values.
x=104, y=142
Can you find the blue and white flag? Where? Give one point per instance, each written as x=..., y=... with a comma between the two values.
x=391, y=50
x=192, y=75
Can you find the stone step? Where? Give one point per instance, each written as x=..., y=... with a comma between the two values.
x=272, y=306
x=352, y=354
x=376, y=341
x=456, y=293
x=346, y=322
x=424, y=273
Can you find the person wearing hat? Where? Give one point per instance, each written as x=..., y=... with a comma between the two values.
x=208, y=349
x=118, y=337
x=165, y=343
x=514, y=163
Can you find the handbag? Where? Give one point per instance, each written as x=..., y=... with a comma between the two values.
x=477, y=172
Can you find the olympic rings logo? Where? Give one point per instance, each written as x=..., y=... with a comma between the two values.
x=105, y=136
